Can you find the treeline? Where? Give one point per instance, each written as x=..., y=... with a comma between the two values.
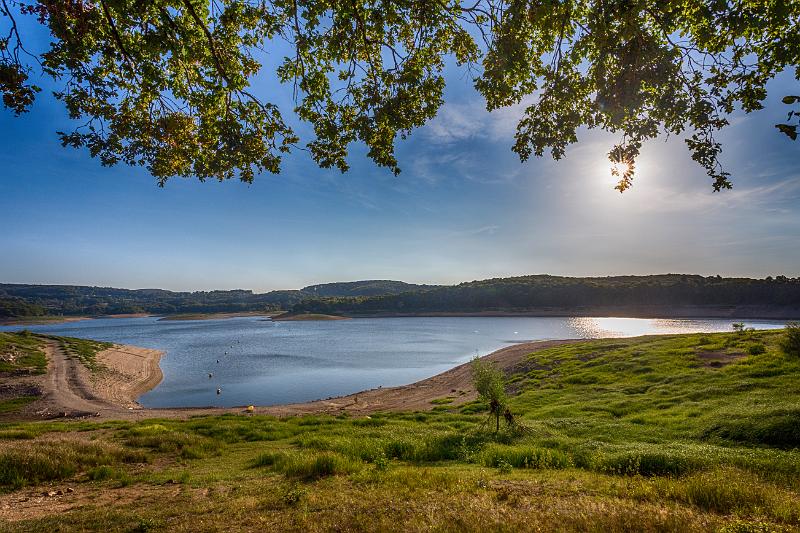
x=663, y=295
x=12, y=307
x=674, y=294
x=35, y=300
x=375, y=287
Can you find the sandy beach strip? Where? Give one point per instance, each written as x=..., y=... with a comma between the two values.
x=127, y=373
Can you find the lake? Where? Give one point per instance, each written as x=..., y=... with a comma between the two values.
x=260, y=362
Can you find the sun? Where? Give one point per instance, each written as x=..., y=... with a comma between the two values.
x=619, y=169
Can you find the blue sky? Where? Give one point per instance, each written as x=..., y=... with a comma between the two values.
x=463, y=208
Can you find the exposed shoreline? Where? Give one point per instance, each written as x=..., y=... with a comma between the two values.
x=306, y=317
x=654, y=312
x=128, y=372
x=214, y=316
x=70, y=390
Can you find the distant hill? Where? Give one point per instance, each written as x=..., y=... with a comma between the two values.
x=29, y=300
x=668, y=295
x=372, y=287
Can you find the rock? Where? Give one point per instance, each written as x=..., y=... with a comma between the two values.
x=70, y=489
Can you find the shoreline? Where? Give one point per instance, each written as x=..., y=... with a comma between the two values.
x=642, y=312
x=306, y=317
x=127, y=373
x=687, y=312
x=73, y=392
x=214, y=316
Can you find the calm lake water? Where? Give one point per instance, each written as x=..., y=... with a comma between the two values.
x=266, y=363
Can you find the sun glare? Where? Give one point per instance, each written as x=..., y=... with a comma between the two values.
x=619, y=169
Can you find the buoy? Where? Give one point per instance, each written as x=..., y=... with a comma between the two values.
x=219, y=391
x=210, y=375
x=217, y=361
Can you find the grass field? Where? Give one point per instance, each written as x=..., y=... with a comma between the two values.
x=22, y=351
x=658, y=433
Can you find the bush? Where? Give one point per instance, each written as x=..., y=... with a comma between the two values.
x=791, y=339
x=525, y=457
x=41, y=462
x=780, y=428
x=309, y=465
x=648, y=464
x=757, y=349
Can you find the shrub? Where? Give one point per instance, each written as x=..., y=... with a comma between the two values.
x=757, y=349
x=51, y=461
x=780, y=428
x=648, y=464
x=791, y=339
x=525, y=457
x=309, y=465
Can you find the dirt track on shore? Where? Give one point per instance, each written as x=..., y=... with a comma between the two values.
x=71, y=391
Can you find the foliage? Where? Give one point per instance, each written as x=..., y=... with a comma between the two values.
x=756, y=349
x=544, y=294
x=11, y=307
x=168, y=83
x=791, y=341
x=77, y=300
x=490, y=382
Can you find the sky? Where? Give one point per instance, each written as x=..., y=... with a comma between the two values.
x=463, y=208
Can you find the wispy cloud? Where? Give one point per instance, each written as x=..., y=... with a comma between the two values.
x=458, y=122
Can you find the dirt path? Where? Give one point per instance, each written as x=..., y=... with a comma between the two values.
x=65, y=390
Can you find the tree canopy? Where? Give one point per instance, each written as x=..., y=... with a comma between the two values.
x=168, y=84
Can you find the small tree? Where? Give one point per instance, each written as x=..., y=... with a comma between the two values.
x=791, y=339
x=738, y=327
x=489, y=381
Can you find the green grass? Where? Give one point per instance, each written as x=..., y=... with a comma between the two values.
x=84, y=350
x=658, y=433
x=22, y=351
x=15, y=404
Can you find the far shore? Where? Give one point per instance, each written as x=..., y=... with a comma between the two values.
x=654, y=312
x=217, y=316
x=306, y=317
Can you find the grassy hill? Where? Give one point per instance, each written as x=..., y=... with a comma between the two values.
x=656, y=433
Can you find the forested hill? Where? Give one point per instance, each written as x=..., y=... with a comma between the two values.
x=36, y=300
x=661, y=295
x=376, y=287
